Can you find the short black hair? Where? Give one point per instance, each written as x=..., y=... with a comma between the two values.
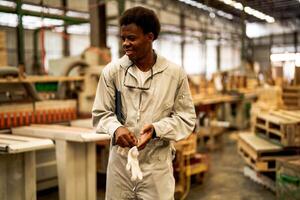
x=142, y=17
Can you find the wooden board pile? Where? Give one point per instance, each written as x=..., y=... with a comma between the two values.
x=291, y=97
x=3, y=49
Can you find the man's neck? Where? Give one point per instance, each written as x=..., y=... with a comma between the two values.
x=147, y=62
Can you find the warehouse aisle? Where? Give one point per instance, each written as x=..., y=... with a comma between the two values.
x=225, y=179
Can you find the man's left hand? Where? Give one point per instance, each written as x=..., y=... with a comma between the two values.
x=145, y=136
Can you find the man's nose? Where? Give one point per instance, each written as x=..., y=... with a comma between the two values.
x=126, y=43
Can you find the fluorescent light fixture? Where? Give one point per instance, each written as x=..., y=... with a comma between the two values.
x=77, y=14
x=212, y=11
x=81, y=29
x=8, y=19
x=283, y=57
x=55, y=11
x=8, y=4
x=32, y=8
x=249, y=10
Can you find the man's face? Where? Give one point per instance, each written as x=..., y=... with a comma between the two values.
x=135, y=43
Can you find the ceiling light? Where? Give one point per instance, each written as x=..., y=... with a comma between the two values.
x=8, y=4
x=249, y=10
x=212, y=11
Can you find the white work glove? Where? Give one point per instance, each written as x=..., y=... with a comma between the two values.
x=133, y=164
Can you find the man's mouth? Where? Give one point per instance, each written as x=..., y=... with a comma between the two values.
x=129, y=52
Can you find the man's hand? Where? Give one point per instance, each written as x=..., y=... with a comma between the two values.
x=145, y=136
x=124, y=138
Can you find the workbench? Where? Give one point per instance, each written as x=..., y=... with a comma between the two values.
x=75, y=156
x=17, y=166
x=103, y=146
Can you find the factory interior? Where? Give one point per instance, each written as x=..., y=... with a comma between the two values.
x=242, y=61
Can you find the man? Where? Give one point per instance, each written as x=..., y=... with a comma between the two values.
x=156, y=109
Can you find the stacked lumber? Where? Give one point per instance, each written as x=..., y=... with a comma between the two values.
x=3, y=51
x=291, y=97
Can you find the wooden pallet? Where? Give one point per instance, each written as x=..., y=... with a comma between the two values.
x=260, y=178
x=281, y=127
x=188, y=163
x=261, y=154
x=291, y=97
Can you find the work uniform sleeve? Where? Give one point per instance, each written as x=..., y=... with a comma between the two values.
x=182, y=119
x=103, y=115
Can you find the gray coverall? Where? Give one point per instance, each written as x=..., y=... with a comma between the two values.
x=163, y=100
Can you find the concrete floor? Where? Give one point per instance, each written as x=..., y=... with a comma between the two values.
x=224, y=181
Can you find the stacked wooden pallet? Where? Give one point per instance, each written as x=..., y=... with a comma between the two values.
x=291, y=97
x=281, y=127
x=261, y=154
x=276, y=136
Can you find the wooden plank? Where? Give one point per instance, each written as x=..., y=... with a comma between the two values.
x=80, y=170
x=65, y=170
x=17, y=144
x=259, y=144
x=287, y=115
x=60, y=132
x=84, y=123
x=42, y=79
x=29, y=176
x=3, y=177
x=91, y=171
x=15, y=172
x=18, y=138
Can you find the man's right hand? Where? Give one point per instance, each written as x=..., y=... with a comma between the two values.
x=124, y=138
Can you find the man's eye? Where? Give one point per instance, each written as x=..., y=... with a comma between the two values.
x=131, y=38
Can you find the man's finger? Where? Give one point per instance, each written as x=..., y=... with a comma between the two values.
x=123, y=142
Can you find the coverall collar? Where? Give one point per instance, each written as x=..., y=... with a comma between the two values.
x=159, y=66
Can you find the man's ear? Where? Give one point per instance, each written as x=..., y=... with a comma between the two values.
x=150, y=36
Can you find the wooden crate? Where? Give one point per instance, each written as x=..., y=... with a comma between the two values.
x=281, y=127
x=187, y=146
x=261, y=154
x=288, y=178
x=291, y=97
x=210, y=138
x=188, y=163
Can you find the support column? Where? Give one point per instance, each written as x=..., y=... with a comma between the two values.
x=97, y=11
x=121, y=8
x=182, y=45
x=20, y=38
x=66, y=41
